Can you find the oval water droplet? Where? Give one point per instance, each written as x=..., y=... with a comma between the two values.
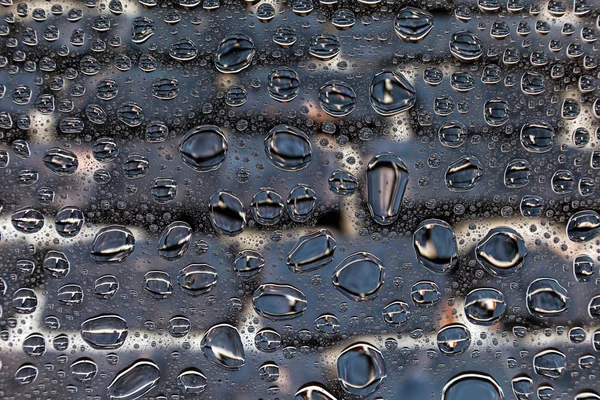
x=312, y=252
x=197, y=279
x=105, y=332
x=435, y=245
x=391, y=93
x=234, y=53
x=288, y=148
x=134, y=381
x=547, y=298
x=113, y=244
x=278, y=301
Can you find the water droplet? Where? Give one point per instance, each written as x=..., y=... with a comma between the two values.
x=278, y=301
x=312, y=252
x=359, y=276
x=223, y=346
x=361, y=369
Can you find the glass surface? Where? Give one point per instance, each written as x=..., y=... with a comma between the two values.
x=309, y=199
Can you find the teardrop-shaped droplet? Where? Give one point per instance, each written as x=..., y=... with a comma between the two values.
x=387, y=177
x=223, y=346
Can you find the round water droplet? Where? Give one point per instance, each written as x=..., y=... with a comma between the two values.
x=312, y=252
x=248, y=263
x=547, y=298
x=191, y=381
x=204, y=148
x=425, y=293
x=267, y=206
x=472, y=385
x=337, y=98
x=391, y=93
x=361, y=369
x=453, y=339
x=466, y=46
x=396, y=313
x=484, y=306
x=283, y=85
x=234, y=53
x=359, y=276
x=288, y=148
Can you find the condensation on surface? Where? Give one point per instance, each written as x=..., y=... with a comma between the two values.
x=310, y=199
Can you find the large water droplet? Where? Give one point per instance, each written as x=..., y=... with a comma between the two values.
x=288, y=148
x=203, y=148
x=112, y=244
x=312, y=252
x=105, y=331
x=359, y=276
x=134, y=381
x=501, y=252
x=223, y=346
x=387, y=177
x=361, y=369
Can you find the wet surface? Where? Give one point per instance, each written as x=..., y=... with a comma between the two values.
x=320, y=199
